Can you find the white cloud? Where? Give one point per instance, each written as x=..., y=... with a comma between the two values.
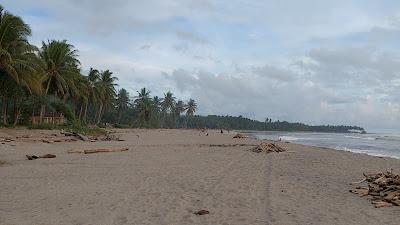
x=311, y=61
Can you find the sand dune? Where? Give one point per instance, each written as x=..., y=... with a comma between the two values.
x=167, y=175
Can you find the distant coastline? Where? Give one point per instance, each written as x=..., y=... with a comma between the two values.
x=242, y=123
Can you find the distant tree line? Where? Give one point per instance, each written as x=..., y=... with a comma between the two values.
x=242, y=123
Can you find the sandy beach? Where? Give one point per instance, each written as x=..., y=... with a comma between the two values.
x=167, y=175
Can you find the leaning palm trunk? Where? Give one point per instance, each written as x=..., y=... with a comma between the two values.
x=43, y=106
x=100, y=113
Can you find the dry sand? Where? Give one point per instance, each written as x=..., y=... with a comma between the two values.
x=168, y=174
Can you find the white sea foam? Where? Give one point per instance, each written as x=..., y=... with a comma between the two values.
x=358, y=137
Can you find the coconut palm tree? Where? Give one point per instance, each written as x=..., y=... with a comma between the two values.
x=155, y=111
x=191, y=107
x=17, y=58
x=106, y=90
x=144, y=105
x=167, y=106
x=122, y=103
x=168, y=102
x=91, y=87
x=15, y=51
x=179, y=108
x=60, y=65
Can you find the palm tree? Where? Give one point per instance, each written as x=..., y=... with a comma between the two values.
x=191, y=108
x=168, y=102
x=17, y=58
x=90, y=82
x=143, y=104
x=155, y=111
x=167, y=105
x=122, y=103
x=15, y=51
x=60, y=64
x=106, y=89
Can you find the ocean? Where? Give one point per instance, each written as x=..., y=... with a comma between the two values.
x=377, y=144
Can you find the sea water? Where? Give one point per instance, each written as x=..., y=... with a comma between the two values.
x=377, y=144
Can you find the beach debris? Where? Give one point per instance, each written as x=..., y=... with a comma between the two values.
x=202, y=212
x=77, y=135
x=239, y=136
x=7, y=140
x=267, y=147
x=3, y=162
x=111, y=137
x=383, y=189
x=46, y=156
x=98, y=150
x=226, y=145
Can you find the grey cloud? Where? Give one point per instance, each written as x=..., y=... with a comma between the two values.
x=145, y=47
x=191, y=36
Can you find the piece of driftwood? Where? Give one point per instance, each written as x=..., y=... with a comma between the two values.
x=46, y=156
x=111, y=137
x=77, y=135
x=226, y=145
x=239, y=136
x=98, y=150
x=382, y=188
x=267, y=147
x=202, y=212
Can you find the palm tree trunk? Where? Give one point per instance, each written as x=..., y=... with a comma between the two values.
x=85, y=113
x=100, y=112
x=17, y=112
x=80, y=111
x=43, y=106
x=5, y=106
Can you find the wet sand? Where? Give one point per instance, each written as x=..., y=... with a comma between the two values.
x=167, y=175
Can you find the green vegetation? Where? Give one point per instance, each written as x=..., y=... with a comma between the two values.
x=241, y=123
x=47, y=81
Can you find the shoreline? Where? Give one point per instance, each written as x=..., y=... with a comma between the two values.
x=168, y=175
x=320, y=145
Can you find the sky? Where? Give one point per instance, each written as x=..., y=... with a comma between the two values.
x=311, y=61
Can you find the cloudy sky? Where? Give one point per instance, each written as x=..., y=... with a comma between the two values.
x=317, y=62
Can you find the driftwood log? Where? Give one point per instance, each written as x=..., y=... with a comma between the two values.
x=382, y=188
x=98, y=150
x=267, y=147
x=239, y=136
x=46, y=156
x=77, y=135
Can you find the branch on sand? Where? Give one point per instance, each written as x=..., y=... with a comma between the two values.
x=46, y=156
x=98, y=150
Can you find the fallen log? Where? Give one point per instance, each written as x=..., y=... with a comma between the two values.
x=98, y=150
x=46, y=156
x=81, y=136
x=239, y=136
x=74, y=134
